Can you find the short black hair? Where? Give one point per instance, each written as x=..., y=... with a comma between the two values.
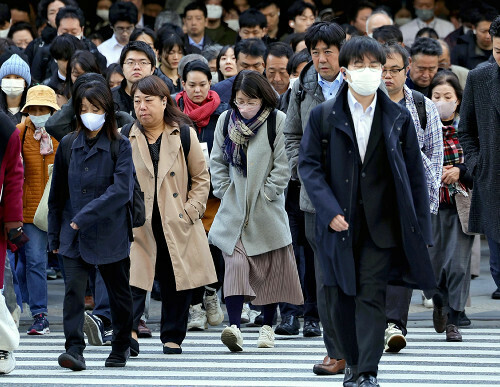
x=21, y=26
x=426, y=46
x=495, y=28
x=358, y=6
x=252, y=18
x=427, y=32
x=166, y=40
x=144, y=30
x=296, y=59
x=482, y=13
x=195, y=5
x=64, y=46
x=393, y=48
x=138, y=46
x=123, y=11
x=170, y=28
x=386, y=34
x=44, y=4
x=298, y=7
x=447, y=77
x=266, y=3
x=252, y=47
x=70, y=12
x=351, y=30
x=279, y=50
x=359, y=47
x=196, y=65
x=294, y=39
x=329, y=33
x=113, y=68
x=4, y=13
x=254, y=85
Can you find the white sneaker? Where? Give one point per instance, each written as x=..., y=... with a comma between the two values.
x=252, y=315
x=266, y=337
x=7, y=362
x=16, y=315
x=231, y=338
x=245, y=314
x=394, y=339
x=198, y=320
x=427, y=302
x=214, y=313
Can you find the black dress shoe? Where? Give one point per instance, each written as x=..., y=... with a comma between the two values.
x=117, y=359
x=259, y=320
x=463, y=320
x=311, y=329
x=439, y=315
x=367, y=380
x=134, y=347
x=73, y=361
x=289, y=326
x=496, y=294
x=351, y=373
x=171, y=350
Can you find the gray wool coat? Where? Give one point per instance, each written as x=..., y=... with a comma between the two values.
x=479, y=135
x=253, y=207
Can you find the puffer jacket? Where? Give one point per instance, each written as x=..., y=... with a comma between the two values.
x=35, y=169
x=306, y=94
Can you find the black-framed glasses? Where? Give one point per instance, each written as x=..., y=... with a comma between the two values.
x=393, y=72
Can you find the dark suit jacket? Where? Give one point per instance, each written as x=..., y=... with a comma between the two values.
x=193, y=49
x=333, y=191
x=224, y=89
x=479, y=135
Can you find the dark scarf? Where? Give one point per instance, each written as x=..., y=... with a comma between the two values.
x=453, y=154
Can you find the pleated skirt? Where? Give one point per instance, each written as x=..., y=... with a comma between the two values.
x=263, y=279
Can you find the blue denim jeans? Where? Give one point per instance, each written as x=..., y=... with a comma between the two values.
x=31, y=269
x=494, y=260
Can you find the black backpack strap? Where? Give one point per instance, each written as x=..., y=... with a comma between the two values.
x=419, y=99
x=68, y=143
x=225, y=128
x=126, y=129
x=271, y=129
x=326, y=108
x=185, y=133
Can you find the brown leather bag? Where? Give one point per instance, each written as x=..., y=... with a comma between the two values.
x=211, y=209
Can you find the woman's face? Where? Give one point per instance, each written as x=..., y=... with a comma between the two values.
x=38, y=110
x=76, y=71
x=197, y=86
x=52, y=10
x=227, y=64
x=149, y=109
x=247, y=106
x=445, y=93
x=87, y=107
x=115, y=80
x=172, y=58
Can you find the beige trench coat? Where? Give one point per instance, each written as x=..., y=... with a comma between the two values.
x=180, y=210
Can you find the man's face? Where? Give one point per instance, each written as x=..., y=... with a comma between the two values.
x=123, y=30
x=326, y=60
x=195, y=22
x=483, y=37
x=272, y=14
x=136, y=66
x=247, y=62
x=52, y=10
x=70, y=26
x=424, y=4
x=252, y=32
x=276, y=73
x=444, y=60
x=377, y=21
x=423, y=68
x=496, y=49
x=394, y=73
x=302, y=22
x=361, y=18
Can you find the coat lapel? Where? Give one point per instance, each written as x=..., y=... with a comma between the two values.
x=169, y=148
x=142, y=144
x=494, y=89
x=375, y=133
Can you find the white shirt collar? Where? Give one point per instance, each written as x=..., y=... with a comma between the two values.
x=355, y=105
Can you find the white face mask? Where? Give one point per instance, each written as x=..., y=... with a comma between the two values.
x=39, y=121
x=13, y=87
x=365, y=81
x=292, y=81
x=446, y=108
x=4, y=33
x=400, y=21
x=103, y=14
x=234, y=24
x=214, y=11
x=215, y=77
x=93, y=121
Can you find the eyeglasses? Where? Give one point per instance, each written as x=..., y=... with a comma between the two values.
x=393, y=72
x=133, y=63
x=121, y=30
x=249, y=104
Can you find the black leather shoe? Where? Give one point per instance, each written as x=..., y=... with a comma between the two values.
x=496, y=294
x=351, y=373
x=134, y=347
x=289, y=326
x=311, y=329
x=440, y=314
x=73, y=361
x=463, y=320
x=117, y=359
x=259, y=320
x=366, y=380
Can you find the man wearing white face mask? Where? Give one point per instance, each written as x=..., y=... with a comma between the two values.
x=354, y=148
x=15, y=78
x=216, y=29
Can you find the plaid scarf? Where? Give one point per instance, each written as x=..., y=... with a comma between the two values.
x=453, y=154
x=239, y=133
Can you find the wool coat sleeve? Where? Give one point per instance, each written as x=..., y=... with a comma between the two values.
x=116, y=195
x=293, y=130
x=12, y=191
x=219, y=168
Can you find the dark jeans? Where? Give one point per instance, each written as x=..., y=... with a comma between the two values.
x=116, y=277
x=305, y=266
x=397, y=306
x=494, y=260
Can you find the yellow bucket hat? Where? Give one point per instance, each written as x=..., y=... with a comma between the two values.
x=40, y=95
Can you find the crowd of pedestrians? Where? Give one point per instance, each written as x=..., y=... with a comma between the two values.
x=314, y=159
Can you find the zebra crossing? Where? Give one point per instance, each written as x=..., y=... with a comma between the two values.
x=428, y=360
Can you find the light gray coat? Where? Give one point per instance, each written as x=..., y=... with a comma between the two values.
x=252, y=207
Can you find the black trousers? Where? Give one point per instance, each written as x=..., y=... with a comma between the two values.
x=397, y=306
x=360, y=320
x=116, y=277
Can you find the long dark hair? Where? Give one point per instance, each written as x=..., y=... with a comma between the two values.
x=87, y=62
x=154, y=86
x=254, y=85
x=95, y=88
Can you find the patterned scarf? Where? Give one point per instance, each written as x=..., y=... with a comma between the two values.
x=453, y=154
x=239, y=133
x=200, y=114
x=46, y=146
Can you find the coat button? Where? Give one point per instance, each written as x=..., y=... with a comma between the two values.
x=175, y=194
x=172, y=173
x=343, y=239
x=413, y=229
x=399, y=128
x=363, y=174
x=86, y=169
x=181, y=216
x=347, y=180
x=349, y=151
x=346, y=124
x=84, y=191
x=345, y=209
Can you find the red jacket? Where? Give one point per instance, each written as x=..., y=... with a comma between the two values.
x=11, y=182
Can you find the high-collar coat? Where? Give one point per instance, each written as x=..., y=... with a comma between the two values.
x=180, y=209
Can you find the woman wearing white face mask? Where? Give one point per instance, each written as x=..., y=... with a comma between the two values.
x=250, y=172
x=451, y=253
x=15, y=78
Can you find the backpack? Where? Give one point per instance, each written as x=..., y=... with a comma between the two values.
x=419, y=99
x=271, y=127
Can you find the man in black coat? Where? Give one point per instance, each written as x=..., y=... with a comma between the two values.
x=479, y=135
x=361, y=166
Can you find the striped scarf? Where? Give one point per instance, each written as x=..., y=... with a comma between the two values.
x=453, y=154
x=239, y=133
